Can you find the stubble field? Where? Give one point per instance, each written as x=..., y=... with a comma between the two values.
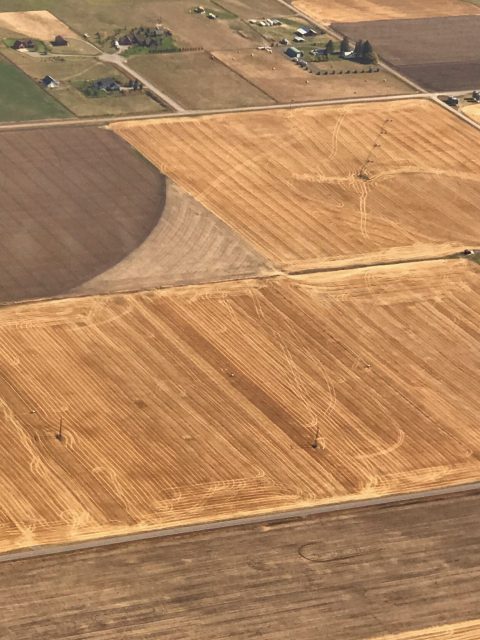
x=202, y=403
x=92, y=216
x=330, y=185
x=35, y=24
x=279, y=78
x=360, y=10
x=198, y=81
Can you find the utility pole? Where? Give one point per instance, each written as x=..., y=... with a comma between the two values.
x=315, y=440
x=59, y=434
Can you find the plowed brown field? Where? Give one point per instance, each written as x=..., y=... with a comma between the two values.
x=202, y=403
x=310, y=187
x=358, y=10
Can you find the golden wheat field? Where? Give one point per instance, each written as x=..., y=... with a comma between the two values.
x=328, y=185
x=467, y=630
x=201, y=403
x=328, y=11
x=35, y=24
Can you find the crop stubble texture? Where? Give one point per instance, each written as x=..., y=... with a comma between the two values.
x=202, y=403
x=359, y=10
x=311, y=187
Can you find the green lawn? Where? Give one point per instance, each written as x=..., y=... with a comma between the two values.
x=71, y=72
x=22, y=99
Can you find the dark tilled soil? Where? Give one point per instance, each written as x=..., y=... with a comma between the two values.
x=440, y=54
x=74, y=202
x=453, y=76
x=340, y=576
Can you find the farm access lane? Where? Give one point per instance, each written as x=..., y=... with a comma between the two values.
x=118, y=61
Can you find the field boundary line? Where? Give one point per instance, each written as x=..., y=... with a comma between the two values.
x=105, y=120
x=380, y=263
x=391, y=500
x=338, y=36
x=212, y=53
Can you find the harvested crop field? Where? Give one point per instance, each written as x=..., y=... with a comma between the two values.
x=441, y=54
x=247, y=9
x=472, y=111
x=285, y=82
x=328, y=185
x=188, y=245
x=292, y=577
x=75, y=202
x=328, y=11
x=35, y=24
x=197, y=81
x=202, y=403
x=196, y=30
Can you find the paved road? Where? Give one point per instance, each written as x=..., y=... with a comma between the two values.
x=33, y=552
x=118, y=61
x=204, y=112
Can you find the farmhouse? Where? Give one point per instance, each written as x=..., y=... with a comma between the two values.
x=125, y=41
x=49, y=82
x=106, y=84
x=293, y=52
x=59, y=41
x=23, y=44
x=150, y=38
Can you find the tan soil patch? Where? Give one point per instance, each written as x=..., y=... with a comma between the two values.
x=285, y=81
x=42, y=25
x=188, y=245
x=328, y=11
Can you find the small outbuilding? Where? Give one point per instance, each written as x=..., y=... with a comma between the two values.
x=305, y=32
x=293, y=52
x=59, y=41
x=49, y=82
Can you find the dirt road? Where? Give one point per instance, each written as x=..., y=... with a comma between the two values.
x=118, y=61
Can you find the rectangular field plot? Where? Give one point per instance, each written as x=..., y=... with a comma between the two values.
x=74, y=73
x=362, y=10
x=440, y=54
x=287, y=82
x=198, y=81
x=329, y=185
x=203, y=403
x=292, y=577
x=21, y=99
